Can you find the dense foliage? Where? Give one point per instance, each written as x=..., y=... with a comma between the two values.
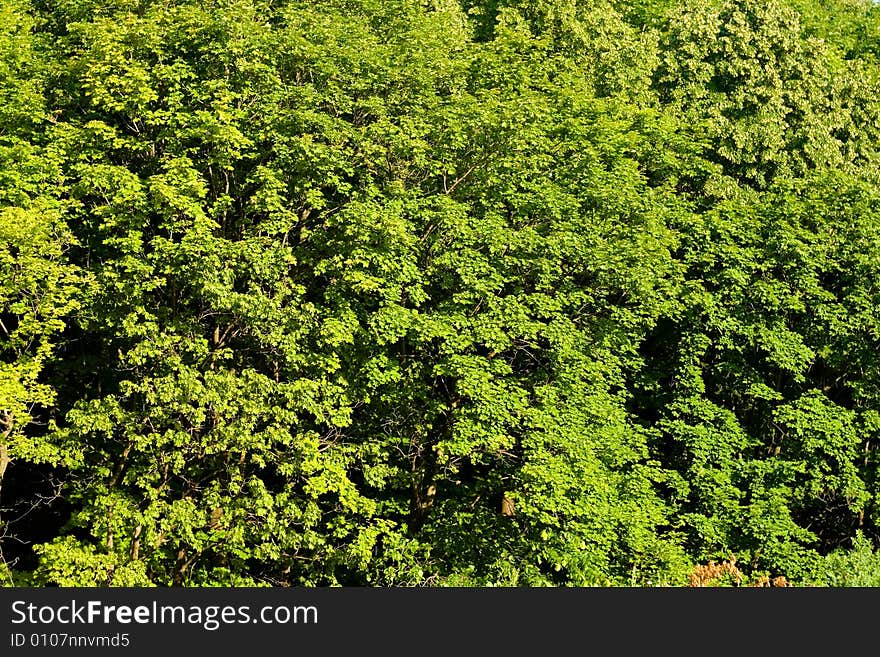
x=429, y=292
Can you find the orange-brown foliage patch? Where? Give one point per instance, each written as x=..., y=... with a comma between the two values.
x=726, y=572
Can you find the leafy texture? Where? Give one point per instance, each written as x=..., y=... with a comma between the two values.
x=407, y=293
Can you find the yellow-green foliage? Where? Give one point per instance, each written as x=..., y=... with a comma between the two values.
x=397, y=292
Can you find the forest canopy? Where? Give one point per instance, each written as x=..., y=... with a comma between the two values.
x=439, y=292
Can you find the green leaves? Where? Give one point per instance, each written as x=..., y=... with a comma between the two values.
x=773, y=102
x=396, y=293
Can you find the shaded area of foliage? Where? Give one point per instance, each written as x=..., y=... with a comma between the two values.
x=400, y=292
